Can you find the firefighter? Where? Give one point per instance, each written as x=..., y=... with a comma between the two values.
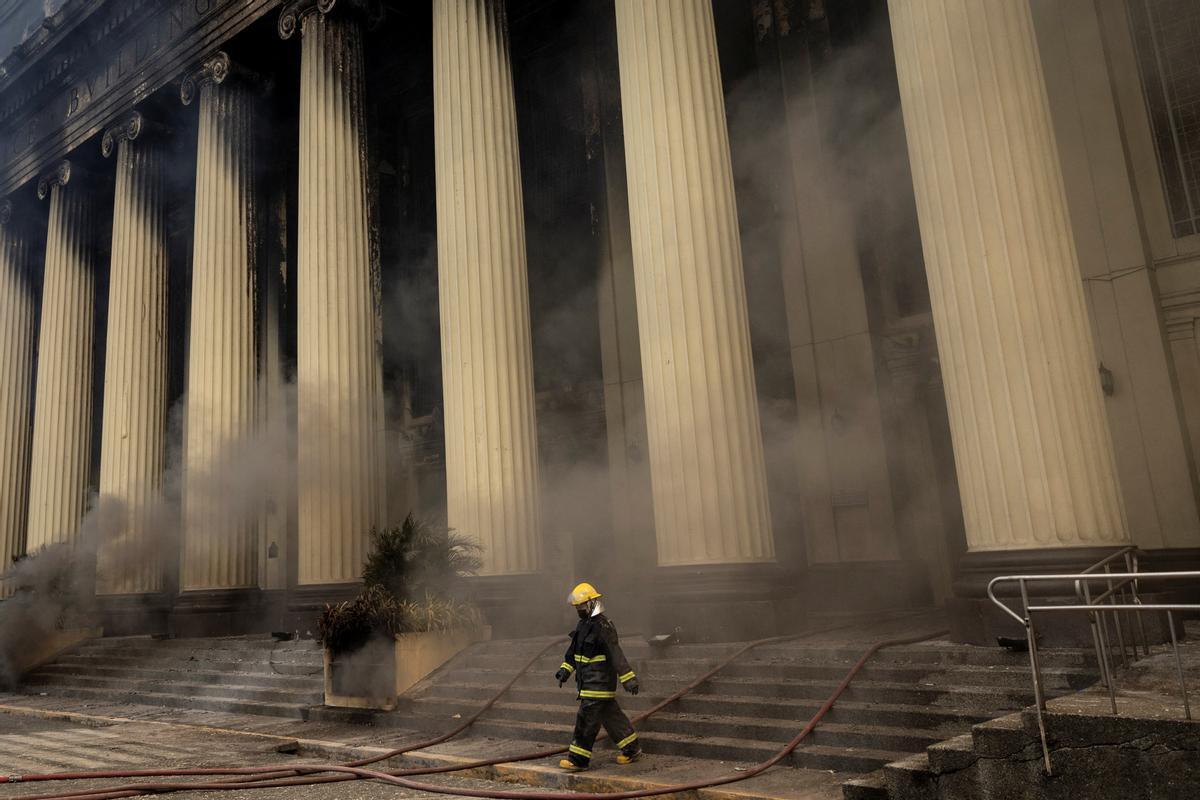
x=595, y=658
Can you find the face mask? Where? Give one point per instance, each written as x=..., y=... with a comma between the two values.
x=583, y=611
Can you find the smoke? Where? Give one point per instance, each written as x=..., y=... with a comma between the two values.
x=53, y=588
x=833, y=271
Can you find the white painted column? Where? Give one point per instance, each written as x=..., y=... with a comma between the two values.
x=1031, y=444
x=133, y=435
x=487, y=353
x=220, y=542
x=17, y=334
x=339, y=375
x=706, y=458
x=62, y=426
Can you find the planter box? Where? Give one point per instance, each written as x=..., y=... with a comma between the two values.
x=375, y=675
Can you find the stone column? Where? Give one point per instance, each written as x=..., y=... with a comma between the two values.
x=706, y=457
x=1034, y=460
x=132, y=444
x=339, y=381
x=487, y=354
x=62, y=425
x=17, y=318
x=220, y=543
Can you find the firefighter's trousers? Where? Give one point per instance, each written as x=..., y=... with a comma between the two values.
x=592, y=714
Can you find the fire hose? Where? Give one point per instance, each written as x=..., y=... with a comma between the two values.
x=306, y=775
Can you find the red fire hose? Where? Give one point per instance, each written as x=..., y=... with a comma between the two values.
x=304, y=775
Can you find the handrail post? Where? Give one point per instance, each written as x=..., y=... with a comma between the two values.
x=1131, y=566
x=1038, y=698
x=1187, y=708
x=1097, y=641
x=1116, y=619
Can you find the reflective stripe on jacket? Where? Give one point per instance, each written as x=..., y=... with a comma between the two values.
x=595, y=657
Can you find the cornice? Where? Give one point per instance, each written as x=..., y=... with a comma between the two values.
x=38, y=50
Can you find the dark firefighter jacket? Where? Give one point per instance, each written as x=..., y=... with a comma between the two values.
x=595, y=658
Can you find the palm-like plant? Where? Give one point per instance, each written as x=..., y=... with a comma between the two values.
x=407, y=587
x=419, y=559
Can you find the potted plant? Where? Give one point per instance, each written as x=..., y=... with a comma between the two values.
x=408, y=619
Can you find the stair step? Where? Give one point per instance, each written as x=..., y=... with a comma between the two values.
x=63, y=668
x=467, y=685
x=805, y=653
x=952, y=755
x=224, y=704
x=920, y=716
x=253, y=642
x=85, y=662
x=682, y=672
x=186, y=689
x=809, y=755
x=934, y=719
x=438, y=716
x=872, y=786
x=944, y=653
x=909, y=776
x=1001, y=737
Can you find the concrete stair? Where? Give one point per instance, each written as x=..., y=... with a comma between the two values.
x=244, y=675
x=900, y=711
x=906, y=700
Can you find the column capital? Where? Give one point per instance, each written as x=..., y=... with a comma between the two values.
x=215, y=70
x=59, y=175
x=14, y=211
x=292, y=15
x=128, y=127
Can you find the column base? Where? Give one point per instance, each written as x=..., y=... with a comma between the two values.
x=1174, y=559
x=863, y=587
x=519, y=606
x=305, y=604
x=219, y=612
x=721, y=602
x=134, y=614
x=974, y=619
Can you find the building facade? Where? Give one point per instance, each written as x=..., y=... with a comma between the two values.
x=748, y=310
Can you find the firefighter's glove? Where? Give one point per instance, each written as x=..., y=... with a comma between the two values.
x=631, y=685
x=562, y=675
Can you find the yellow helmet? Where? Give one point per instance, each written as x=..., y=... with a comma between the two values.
x=582, y=593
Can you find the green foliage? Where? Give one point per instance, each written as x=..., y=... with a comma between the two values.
x=407, y=583
x=377, y=613
x=419, y=559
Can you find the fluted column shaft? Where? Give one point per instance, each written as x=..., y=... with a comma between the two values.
x=132, y=445
x=62, y=427
x=220, y=543
x=706, y=459
x=339, y=386
x=1032, y=449
x=17, y=332
x=487, y=353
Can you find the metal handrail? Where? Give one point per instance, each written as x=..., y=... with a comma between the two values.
x=1096, y=608
x=1126, y=550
